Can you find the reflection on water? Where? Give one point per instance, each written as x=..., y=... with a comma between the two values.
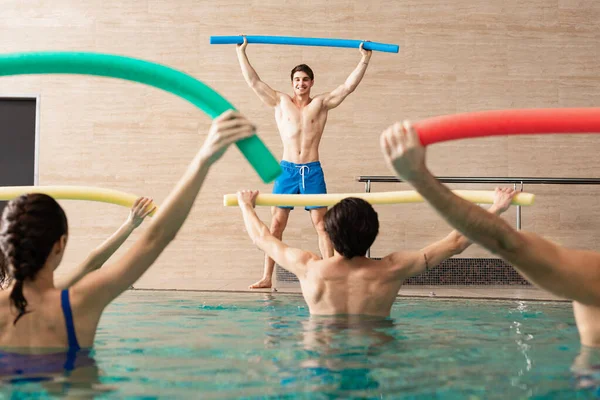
x=586, y=369
x=56, y=372
x=344, y=349
x=223, y=345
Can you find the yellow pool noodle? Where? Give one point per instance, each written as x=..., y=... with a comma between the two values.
x=407, y=196
x=88, y=193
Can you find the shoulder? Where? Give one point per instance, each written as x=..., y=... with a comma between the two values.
x=397, y=257
x=320, y=98
x=400, y=260
x=327, y=268
x=322, y=101
x=282, y=99
x=311, y=259
x=310, y=262
x=283, y=96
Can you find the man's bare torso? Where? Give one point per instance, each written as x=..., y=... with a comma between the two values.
x=300, y=129
x=359, y=286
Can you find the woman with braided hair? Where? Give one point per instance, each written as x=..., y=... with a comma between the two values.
x=36, y=316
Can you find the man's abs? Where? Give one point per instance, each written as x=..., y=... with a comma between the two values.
x=300, y=131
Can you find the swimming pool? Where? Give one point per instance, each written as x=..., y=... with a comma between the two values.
x=163, y=344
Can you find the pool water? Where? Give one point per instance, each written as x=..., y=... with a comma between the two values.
x=164, y=344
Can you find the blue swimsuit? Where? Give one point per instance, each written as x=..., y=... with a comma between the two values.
x=300, y=179
x=15, y=364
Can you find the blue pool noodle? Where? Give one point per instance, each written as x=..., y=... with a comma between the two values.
x=301, y=41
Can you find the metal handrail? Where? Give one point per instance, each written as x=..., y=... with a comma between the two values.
x=490, y=179
x=368, y=179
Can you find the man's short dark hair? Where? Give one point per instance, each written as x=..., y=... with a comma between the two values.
x=352, y=226
x=303, y=68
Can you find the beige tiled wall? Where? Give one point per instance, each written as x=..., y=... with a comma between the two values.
x=455, y=56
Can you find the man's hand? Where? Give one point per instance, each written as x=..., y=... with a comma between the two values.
x=242, y=46
x=142, y=207
x=365, y=53
x=247, y=198
x=502, y=199
x=403, y=151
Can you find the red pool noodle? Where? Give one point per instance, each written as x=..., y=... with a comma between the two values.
x=508, y=122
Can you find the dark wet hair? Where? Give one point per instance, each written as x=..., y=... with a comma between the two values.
x=303, y=68
x=4, y=275
x=352, y=226
x=30, y=226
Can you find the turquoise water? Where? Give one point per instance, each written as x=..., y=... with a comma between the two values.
x=158, y=344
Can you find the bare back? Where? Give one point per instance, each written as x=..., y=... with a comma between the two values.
x=300, y=129
x=44, y=326
x=359, y=286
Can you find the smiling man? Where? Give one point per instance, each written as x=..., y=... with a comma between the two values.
x=301, y=120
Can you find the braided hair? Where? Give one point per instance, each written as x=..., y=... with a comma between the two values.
x=30, y=226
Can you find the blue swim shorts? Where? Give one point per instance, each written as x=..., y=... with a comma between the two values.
x=300, y=179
